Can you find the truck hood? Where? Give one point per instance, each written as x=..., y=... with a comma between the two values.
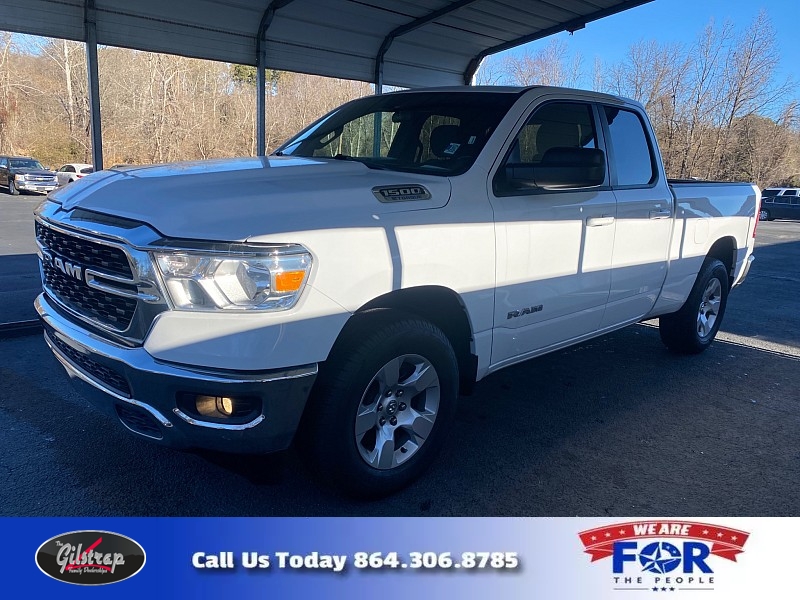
x=30, y=171
x=247, y=198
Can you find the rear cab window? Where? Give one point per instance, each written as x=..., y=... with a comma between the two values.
x=633, y=157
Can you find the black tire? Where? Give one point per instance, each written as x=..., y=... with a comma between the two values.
x=685, y=332
x=347, y=385
x=764, y=215
x=12, y=188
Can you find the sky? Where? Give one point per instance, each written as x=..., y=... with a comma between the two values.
x=681, y=21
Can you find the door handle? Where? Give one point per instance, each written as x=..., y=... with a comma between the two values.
x=599, y=221
x=660, y=214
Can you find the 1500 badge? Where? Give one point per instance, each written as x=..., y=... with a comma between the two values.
x=401, y=193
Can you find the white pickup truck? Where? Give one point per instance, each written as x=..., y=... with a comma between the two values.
x=342, y=292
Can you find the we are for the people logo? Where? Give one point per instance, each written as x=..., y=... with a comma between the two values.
x=663, y=556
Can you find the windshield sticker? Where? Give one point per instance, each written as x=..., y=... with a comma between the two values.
x=472, y=139
x=452, y=148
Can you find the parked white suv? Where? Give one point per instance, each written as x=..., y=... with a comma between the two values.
x=72, y=172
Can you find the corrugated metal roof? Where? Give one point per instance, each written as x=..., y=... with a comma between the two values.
x=340, y=38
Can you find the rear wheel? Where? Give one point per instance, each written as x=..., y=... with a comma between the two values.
x=692, y=329
x=381, y=407
x=764, y=215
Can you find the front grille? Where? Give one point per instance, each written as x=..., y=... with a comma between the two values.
x=100, y=372
x=91, y=254
x=104, y=307
x=109, y=309
x=139, y=420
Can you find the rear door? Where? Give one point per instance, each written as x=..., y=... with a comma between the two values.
x=788, y=205
x=645, y=215
x=553, y=246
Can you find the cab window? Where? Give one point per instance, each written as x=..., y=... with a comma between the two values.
x=633, y=155
x=552, y=130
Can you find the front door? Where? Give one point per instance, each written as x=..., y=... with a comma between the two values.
x=553, y=247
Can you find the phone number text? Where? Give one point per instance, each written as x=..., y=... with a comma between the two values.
x=436, y=560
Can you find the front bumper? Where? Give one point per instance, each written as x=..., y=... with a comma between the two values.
x=34, y=186
x=128, y=384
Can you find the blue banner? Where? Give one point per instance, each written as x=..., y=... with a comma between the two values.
x=392, y=558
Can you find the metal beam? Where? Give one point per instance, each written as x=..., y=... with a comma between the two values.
x=261, y=83
x=571, y=26
x=90, y=30
x=408, y=28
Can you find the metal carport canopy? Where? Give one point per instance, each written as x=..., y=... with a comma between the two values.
x=421, y=42
x=396, y=42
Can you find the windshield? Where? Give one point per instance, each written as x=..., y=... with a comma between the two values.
x=439, y=133
x=25, y=163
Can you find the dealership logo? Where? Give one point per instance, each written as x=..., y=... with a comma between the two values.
x=90, y=557
x=663, y=556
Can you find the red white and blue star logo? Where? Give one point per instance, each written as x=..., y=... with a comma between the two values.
x=678, y=563
x=659, y=557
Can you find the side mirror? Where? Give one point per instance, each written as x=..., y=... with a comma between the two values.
x=560, y=169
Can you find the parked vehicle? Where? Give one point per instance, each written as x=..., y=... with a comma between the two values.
x=780, y=203
x=72, y=172
x=25, y=174
x=378, y=264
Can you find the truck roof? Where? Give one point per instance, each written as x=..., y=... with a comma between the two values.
x=513, y=89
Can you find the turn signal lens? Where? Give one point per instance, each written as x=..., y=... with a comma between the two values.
x=289, y=281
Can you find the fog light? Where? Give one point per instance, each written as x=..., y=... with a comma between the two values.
x=230, y=409
x=214, y=406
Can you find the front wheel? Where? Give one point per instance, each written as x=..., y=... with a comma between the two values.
x=12, y=188
x=692, y=329
x=381, y=407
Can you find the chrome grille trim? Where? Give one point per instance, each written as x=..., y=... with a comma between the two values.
x=117, y=291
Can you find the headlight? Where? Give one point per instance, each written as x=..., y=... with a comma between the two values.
x=20, y=177
x=234, y=281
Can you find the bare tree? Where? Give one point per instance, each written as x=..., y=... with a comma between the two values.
x=552, y=65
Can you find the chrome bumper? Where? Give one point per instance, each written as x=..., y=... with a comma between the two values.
x=36, y=187
x=142, y=393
